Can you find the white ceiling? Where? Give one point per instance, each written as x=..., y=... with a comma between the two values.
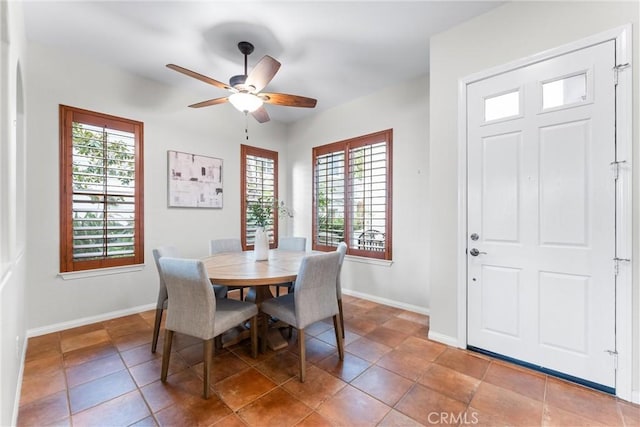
x=332, y=51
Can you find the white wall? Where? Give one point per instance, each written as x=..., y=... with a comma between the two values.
x=12, y=208
x=57, y=78
x=403, y=107
x=510, y=32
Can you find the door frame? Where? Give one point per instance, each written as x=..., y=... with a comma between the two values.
x=624, y=237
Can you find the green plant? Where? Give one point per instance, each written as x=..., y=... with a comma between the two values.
x=261, y=211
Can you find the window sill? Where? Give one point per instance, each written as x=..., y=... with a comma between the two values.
x=73, y=275
x=371, y=261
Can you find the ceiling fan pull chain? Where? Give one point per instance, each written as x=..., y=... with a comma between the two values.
x=246, y=125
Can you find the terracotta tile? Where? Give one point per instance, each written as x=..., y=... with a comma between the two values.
x=314, y=420
x=46, y=365
x=365, y=303
x=243, y=388
x=87, y=339
x=405, y=364
x=401, y=325
x=511, y=408
x=193, y=354
x=243, y=351
x=553, y=417
x=124, y=410
x=381, y=314
x=421, y=319
x=398, y=419
x=100, y=390
x=317, y=328
x=88, y=354
x=81, y=330
x=317, y=388
x=423, y=348
x=133, y=324
x=582, y=401
x=224, y=366
x=95, y=369
x=450, y=383
x=483, y=419
x=520, y=381
x=330, y=337
x=148, y=372
x=421, y=402
x=346, y=369
x=231, y=420
x=630, y=413
x=280, y=368
x=421, y=332
x=316, y=350
x=39, y=386
x=49, y=344
x=464, y=362
x=50, y=409
x=180, y=387
x=140, y=354
x=351, y=406
x=383, y=385
x=359, y=326
x=368, y=349
x=181, y=341
x=386, y=336
x=145, y=422
x=194, y=412
x=276, y=408
x=127, y=342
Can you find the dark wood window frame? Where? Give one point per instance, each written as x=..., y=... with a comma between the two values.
x=247, y=150
x=368, y=246
x=69, y=115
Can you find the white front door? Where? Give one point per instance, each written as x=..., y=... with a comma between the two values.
x=541, y=214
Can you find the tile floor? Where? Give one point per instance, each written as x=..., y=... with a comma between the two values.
x=104, y=374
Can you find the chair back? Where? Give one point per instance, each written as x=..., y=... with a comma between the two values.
x=292, y=243
x=342, y=250
x=224, y=245
x=315, y=289
x=167, y=251
x=192, y=303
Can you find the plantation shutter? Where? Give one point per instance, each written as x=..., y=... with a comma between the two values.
x=330, y=199
x=102, y=207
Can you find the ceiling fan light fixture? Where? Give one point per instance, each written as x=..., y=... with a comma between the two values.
x=245, y=102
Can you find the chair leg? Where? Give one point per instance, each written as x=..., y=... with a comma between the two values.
x=156, y=330
x=302, y=348
x=278, y=290
x=241, y=294
x=208, y=361
x=264, y=326
x=254, y=336
x=339, y=336
x=166, y=354
x=341, y=315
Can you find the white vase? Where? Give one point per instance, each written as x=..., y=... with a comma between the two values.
x=261, y=244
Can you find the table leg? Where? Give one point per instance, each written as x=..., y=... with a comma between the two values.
x=274, y=338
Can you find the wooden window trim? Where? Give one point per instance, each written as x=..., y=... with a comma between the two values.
x=247, y=150
x=347, y=145
x=67, y=116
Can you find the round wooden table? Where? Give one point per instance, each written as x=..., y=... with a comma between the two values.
x=241, y=269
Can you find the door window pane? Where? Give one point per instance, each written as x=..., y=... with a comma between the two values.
x=565, y=91
x=502, y=106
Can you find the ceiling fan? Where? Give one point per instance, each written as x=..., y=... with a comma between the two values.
x=245, y=88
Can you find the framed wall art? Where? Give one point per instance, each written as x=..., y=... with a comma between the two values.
x=194, y=181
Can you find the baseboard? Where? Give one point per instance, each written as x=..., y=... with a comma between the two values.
x=88, y=320
x=16, y=399
x=385, y=301
x=444, y=339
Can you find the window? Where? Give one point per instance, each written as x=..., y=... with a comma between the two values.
x=564, y=91
x=502, y=106
x=101, y=191
x=259, y=184
x=352, y=195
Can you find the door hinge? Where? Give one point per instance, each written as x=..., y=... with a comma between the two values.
x=616, y=168
x=613, y=354
x=617, y=69
x=616, y=265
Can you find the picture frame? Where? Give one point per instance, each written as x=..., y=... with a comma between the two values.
x=193, y=181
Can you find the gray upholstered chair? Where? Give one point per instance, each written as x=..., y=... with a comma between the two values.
x=290, y=244
x=161, y=304
x=342, y=250
x=194, y=310
x=314, y=299
x=227, y=245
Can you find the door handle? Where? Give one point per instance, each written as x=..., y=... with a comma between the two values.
x=476, y=252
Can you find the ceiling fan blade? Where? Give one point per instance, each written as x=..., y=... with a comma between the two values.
x=261, y=115
x=213, y=101
x=288, y=100
x=262, y=73
x=198, y=76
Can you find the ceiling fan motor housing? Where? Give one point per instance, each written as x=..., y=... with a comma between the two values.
x=237, y=80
